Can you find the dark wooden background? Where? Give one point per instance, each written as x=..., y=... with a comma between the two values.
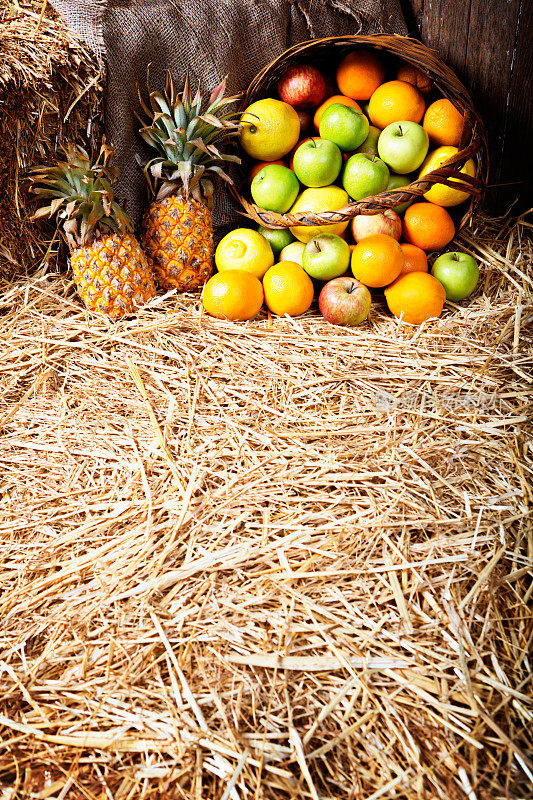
x=489, y=44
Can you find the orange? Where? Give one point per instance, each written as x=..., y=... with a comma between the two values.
x=258, y=166
x=444, y=123
x=428, y=226
x=233, y=294
x=377, y=260
x=416, y=297
x=288, y=289
x=409, y=74
x=359, y=74
x=395, y=101
x=336, y=98
x=415, y=259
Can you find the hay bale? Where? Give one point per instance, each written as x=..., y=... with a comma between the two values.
x=282, y=557
x=50, y=92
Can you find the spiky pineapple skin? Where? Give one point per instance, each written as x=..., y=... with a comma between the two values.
x=113, y=275
x=177, y=236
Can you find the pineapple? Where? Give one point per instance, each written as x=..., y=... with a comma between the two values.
x=112, y=274
x=177, y=229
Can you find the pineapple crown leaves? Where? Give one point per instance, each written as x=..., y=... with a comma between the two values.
x=81, y=194
x=188, y=133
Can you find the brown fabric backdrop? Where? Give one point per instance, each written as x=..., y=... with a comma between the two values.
x=214, y=38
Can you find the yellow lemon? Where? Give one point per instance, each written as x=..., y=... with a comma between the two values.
x=326, y=198
x=270, y=129
x=233, y=294
x=440, y=194
x=288, y=289
x=246, y=250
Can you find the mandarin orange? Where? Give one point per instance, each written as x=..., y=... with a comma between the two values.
x=444, y=123
x=395, y=101
x=410, y=74
x=359, y=74
x=415, y=297
x=377, y=260
x=233, y=294
x=415, y=259
x=428, y=226
x=288, y=289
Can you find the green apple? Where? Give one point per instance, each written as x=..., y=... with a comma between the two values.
x=403, y=146
x=326, y=256
x=370, y=145
x=278, y=239
x=275, y=188
x=396, y=182
x=364, y=176
x=458, y=273
x=344, y=125
x=317, y=162
x=293, y=252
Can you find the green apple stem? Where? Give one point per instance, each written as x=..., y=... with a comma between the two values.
x=455, y=257
x=400, y=129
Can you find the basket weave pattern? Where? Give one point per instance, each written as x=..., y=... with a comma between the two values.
x=473, y=144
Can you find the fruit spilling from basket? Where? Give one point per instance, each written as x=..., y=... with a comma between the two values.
x=323, y=145
x=352, y=176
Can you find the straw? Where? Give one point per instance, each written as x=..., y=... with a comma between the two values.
x=275, y=559
x=50, y=93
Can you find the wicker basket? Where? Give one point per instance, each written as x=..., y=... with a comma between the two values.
x=325, y=52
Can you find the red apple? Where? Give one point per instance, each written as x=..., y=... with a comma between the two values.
x=387, y=222
x=302, y=86
x=344, y=301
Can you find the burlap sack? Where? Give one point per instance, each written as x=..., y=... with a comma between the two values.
x=213, y=38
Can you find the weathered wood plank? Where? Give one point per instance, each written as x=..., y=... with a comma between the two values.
x=445, y=25
x=489, y=65
x=413, y=11
x=488, y=45
x=517, y=151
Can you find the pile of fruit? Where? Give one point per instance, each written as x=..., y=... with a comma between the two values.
x=358, y=151
x=319, y=145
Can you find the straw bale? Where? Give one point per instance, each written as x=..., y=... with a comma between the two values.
x=268, y=560
x=50, y=92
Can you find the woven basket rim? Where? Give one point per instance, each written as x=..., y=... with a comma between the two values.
x=426, y=59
